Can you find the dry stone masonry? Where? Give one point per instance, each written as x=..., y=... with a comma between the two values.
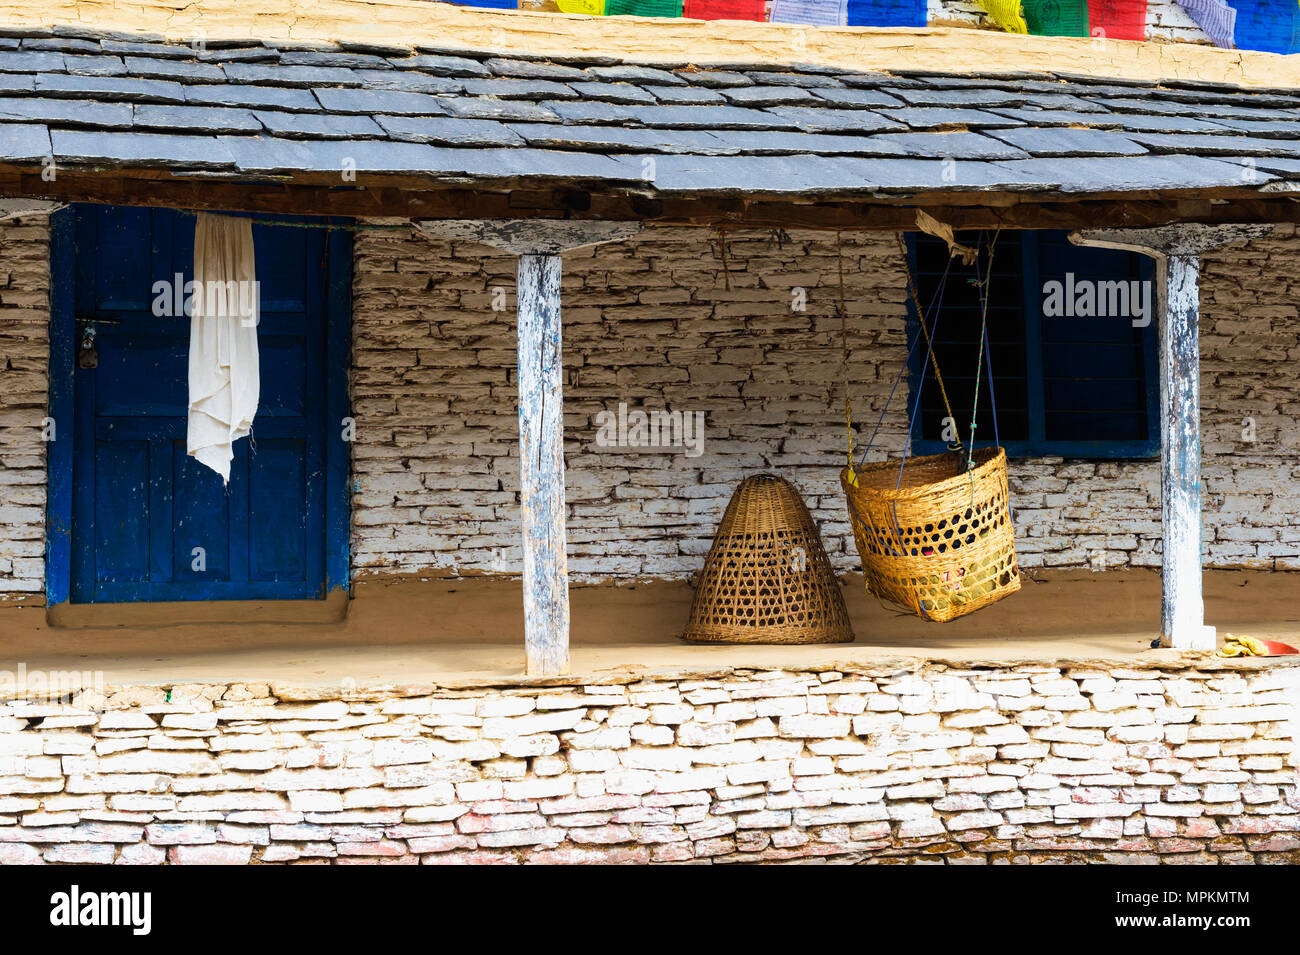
x=24, y=395
x=659, y=322
x=1007, y=763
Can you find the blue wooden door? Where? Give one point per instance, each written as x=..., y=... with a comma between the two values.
x=148, y=521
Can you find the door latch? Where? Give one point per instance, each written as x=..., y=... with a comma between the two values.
x=88, y=330
x=87, y=355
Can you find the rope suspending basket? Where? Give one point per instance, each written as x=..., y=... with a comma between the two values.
x=767, y=578
x=934, y=533
x=940, y=541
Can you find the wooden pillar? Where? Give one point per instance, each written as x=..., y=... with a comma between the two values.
x=1176, y=250
x=1182, y=608
x=538, y=244
x=541, y=465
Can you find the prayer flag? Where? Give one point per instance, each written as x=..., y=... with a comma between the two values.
x=886, y=13
x=1215, y=18
x=643, y=8
x=592, y=8
x=813, y=13
x=726, y=9
x=1057, y=17
x=1272, y=26
x=1118, y=19
x=1006, y=14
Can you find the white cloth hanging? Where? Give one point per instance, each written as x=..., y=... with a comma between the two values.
x=224, y=377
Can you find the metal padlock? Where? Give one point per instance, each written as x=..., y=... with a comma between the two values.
x=87, y=355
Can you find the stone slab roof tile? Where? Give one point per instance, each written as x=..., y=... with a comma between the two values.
x=246, y=108
x=94, y=148
x=1227, y=145
x=1118, y=174
x=437, y=65
x=635, y=74
x=937, y=117
x=16, y=83
x=768, y=95
x=685, y=95
x=23, y=142
x=822, y=120
x=162, y=68
x=857, y=97
x=109, y=88
x=21, y=61
x=622, y=92
x=715, y=79
x=205, y=119
x=100, y=66
x=1069, y=142
x=521, y=110
x=952, y=145
x=369, y=102
x=65, y=112
x=319, y=125
x=272, y=97
x=450, y=131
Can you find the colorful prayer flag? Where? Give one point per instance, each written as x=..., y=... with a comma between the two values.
x=726, y=9
x=1272, y=26
x=1057, y=17
x=886, y=13
x=813, y=13
x=1006, y=14
x=491, y=4
x=1216, y=19
x=592, y=8
x=643, y=8
x=1119, y=19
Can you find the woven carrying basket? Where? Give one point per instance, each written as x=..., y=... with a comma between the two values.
x=940, y=542
x=767, y=578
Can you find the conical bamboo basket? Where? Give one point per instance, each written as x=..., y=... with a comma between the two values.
x=767, y=578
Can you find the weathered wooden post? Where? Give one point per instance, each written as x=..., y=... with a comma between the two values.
x=538, y=244
x=1176, y=250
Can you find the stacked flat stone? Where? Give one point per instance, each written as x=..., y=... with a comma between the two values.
x=656, y=322
x=1028, y=762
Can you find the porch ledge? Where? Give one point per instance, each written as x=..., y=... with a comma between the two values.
x=408, y=636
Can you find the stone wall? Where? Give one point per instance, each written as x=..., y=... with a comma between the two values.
x=653, y=323
x=24, y=390
x=660, y=323
x=1107, y=514
x=657, y=322
x=1011, y=763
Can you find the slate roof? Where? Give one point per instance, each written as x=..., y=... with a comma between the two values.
x=257, y=111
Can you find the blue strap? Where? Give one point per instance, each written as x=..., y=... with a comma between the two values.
x=993, y=395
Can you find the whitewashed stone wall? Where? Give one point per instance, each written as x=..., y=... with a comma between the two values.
x=656, y=323
x=1003, y=764
x=24, y=390
x=652, y=322
x=1106, y=514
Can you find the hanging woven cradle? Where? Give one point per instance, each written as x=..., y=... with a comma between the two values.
x=938, y=539
x=767, y=578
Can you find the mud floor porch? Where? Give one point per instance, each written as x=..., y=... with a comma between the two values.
x=469, y=631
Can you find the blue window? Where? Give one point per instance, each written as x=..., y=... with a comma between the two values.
x=1072, y=335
